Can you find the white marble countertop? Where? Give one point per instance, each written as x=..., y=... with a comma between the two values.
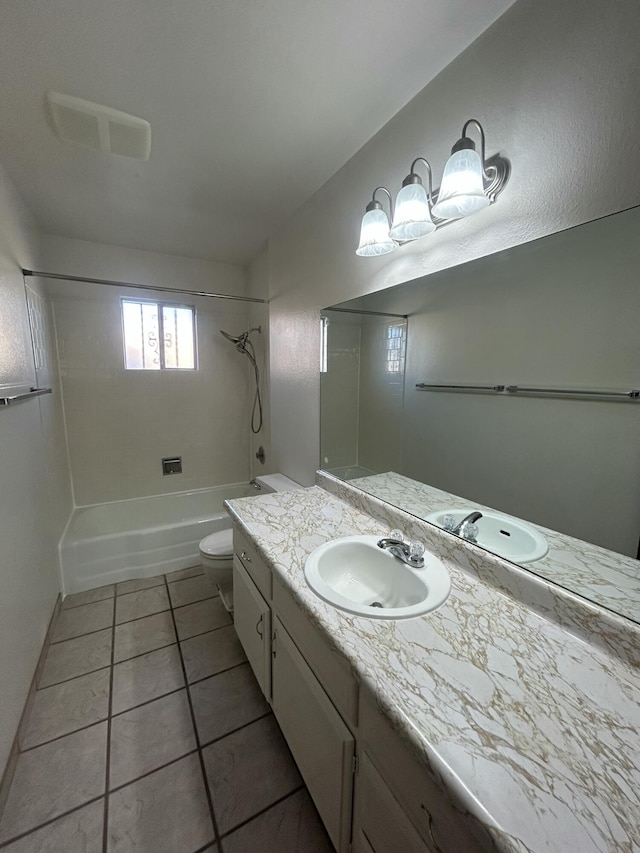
x=532, y=730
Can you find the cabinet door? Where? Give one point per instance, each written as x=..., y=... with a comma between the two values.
x=379, y=823
x=252, y=621
x=322, y=745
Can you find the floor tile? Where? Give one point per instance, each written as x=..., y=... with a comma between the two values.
x=200, y=617
x=66, y=707
x=52, y=779
x=227, y=701
x=137, y=585
x=192, y=589
x=292, y=824
x=248, y=771
x=211, y=653
x=75, y=657
x=181, y=574
x=147, y=677
x=166, y=812
x=135, y=605
x=83, y=620
x=89, y=597
x=145, y=738
x=143, y=635
x=78, y=832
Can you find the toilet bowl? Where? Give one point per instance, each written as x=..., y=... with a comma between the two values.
x=216, y=550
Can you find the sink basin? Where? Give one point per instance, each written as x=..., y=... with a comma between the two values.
x=353, y=574
x=501, y=534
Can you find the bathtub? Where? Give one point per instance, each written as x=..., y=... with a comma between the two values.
x=143, y=537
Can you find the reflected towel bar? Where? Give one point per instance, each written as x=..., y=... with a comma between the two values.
x=518, y=389
x=33, y=392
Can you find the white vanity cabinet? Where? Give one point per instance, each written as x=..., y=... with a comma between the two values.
x=322, y=745
x=289, y=673
x=252, y=621
x=379, y=823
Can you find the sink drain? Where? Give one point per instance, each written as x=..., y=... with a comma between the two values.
x=376, y=604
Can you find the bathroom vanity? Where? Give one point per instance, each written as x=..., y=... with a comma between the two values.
x=506, y=720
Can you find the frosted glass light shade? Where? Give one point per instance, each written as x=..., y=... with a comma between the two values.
x=462, y=191
x=374, y=235
x=412, y=218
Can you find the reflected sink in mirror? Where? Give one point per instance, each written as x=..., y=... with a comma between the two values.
x=505, y=536
x=355, y=575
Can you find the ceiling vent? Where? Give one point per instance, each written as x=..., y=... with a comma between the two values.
x=100, y=127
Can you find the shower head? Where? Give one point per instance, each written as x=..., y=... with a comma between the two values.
x=231, y=338
x=240, y=341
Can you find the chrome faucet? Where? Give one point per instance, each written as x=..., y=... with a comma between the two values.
x=410, y=553
x=466, y=528
x=468, y=519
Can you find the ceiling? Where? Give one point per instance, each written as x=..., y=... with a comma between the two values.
x=253, y=105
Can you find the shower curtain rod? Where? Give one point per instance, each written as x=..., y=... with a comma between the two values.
x=113, y=283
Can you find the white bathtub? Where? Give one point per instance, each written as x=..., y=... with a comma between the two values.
x=142, y=537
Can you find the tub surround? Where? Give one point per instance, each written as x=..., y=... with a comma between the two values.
x=527, y=726
x=605, y=577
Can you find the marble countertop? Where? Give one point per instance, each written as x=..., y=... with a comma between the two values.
x=533, y=731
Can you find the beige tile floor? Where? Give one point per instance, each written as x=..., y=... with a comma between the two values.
x=148, y=734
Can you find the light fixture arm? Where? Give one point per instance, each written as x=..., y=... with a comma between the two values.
x=414, y=178
x=374, y=204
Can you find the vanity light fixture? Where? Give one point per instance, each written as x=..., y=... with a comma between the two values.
x=469, y=184
x=413, y=216
x=374, y=233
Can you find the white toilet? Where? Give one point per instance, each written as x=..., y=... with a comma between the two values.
x=216, y=550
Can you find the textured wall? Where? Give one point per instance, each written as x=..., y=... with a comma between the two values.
x=556, y=87
x=32, y=466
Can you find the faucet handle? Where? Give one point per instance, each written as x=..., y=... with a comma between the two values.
x=470, y=532
x=448, y=522
x=416, y=550
x=396, y=533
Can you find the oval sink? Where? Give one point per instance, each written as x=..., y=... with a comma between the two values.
x=501, y=534
x=353, y=574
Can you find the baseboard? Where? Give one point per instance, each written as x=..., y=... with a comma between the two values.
x=10, y=767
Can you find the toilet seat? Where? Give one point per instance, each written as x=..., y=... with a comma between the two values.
x=218, y=546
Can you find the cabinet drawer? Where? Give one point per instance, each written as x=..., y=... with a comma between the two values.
x=380, y=825
x=252, y=622
x=331, y=669
x=257, y=569
x=322, y=745
x=441, y=825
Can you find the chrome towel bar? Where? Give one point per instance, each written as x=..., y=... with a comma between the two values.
x=520, y=389
x=16, y=398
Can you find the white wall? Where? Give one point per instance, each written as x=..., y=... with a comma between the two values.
x=120, y=423
x=555, y=85
x=34, y=489
x=258, y=288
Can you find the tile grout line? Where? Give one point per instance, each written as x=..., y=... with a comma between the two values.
x=64, y=609
x=140, y=655
x=105, y=828
x=127, y=621
x=203, y=771
x=55, y=818
x=297, y=790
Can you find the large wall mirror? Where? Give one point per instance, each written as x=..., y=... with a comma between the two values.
x=419, y=407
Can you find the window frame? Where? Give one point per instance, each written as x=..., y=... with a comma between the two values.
x=160, y=305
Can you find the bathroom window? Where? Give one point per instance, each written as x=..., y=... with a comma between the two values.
x=158, y=335
x=396, y=344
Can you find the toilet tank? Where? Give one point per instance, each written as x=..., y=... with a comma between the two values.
x=276, y=483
